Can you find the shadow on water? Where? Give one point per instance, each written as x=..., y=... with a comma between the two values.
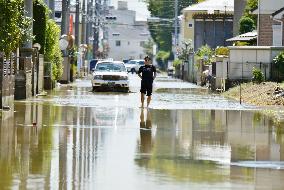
x=90, y=148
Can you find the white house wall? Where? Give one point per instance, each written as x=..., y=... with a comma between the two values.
x=270, y=6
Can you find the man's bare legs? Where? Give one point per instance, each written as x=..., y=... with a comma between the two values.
x=148, y=101
x=142, y=100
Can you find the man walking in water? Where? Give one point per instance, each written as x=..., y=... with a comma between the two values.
x=148, y=72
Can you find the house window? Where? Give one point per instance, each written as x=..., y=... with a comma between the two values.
x=277, y=35
x=117, y=43
x=57, y=14
x=115, y=34
x=142, y=43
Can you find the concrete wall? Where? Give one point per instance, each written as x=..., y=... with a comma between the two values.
x=242, y=59
x=40, y=75
x=66, y=71
x=221, y=72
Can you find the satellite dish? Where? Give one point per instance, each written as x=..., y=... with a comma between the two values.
x=63, y=43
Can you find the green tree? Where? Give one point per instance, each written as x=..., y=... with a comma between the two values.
x=249, y=21
x=162, y=58
x=148, y=48
x=40, y=16
x=161, y=32
x=246, y=24
x=14, y=29
x=52, y=49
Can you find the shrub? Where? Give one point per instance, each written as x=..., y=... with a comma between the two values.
x=222, y=51
x=52, y=50
x=177, y=63
x=206, y=53
x=279, y=62
x=258, y=76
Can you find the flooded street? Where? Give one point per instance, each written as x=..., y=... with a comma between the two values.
x=188, y=139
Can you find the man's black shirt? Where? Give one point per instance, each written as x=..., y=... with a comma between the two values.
x=147, y=72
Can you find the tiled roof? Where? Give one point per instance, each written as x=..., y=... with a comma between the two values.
x=212, y=5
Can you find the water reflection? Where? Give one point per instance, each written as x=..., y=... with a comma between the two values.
x=211, y=146
x=115, y=148
x=145, y=132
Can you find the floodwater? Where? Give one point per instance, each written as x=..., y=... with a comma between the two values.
x=188, y=139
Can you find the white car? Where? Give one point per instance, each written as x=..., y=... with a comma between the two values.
x=110, y=75
x=134, y=65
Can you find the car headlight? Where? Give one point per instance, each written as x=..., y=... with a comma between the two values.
x=123, y=77
x=98, y=77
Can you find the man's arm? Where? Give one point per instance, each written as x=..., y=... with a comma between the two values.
x=139, y=72
x=155, y=72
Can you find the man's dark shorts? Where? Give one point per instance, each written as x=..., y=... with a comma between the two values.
x=146, y=87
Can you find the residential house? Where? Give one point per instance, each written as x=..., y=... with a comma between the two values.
x=125, y=35
x=209, y=22
x=270, y=22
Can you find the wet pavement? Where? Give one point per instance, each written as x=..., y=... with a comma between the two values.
x=188, y=139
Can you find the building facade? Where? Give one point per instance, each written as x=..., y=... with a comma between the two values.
x=270, y=22
x=126, y=36
x=209, y=22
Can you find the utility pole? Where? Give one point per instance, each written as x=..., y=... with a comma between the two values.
x=176, y=23
x=52, y=8
x=29, y=13
x=83, y=34
x=77, y=23
x=96, y=27
x=65, y=15
x=90, y=5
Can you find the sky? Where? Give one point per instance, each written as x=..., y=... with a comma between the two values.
x=137, y=5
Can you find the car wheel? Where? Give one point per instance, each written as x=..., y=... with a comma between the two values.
x=126, y=89
x=95, y=88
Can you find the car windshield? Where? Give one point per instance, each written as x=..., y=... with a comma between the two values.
x=132, y=62
x=108, y=66
x=141, y=62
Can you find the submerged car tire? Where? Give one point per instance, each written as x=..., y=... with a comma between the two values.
x=126, y=90
x=95, y=88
